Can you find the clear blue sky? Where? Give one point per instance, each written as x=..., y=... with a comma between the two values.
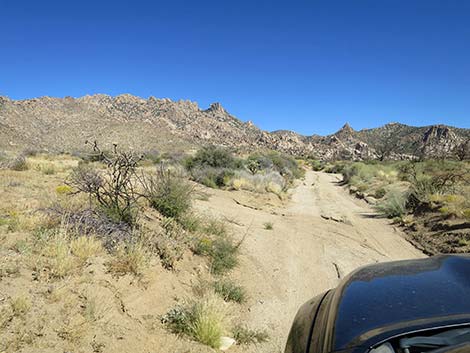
x=307, y=66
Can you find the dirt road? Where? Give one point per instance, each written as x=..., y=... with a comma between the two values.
x=319, y=236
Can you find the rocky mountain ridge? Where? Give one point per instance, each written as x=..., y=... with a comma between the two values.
x=64, y=124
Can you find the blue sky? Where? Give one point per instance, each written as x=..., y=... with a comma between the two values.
x=307, y=66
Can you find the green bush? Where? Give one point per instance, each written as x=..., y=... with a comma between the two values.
x=285, y=165
x=230, y=291
x=169, y=193
x=224, y=255
x=380, y=193
x=214, y=157
x=316, y=165
x=153, y=156
x=268, y=226
x=212, y=177
x=394, y=203
x=219, y=246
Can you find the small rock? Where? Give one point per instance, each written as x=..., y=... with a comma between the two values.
x=226, y=343
x=371, y=200
x=352, y=189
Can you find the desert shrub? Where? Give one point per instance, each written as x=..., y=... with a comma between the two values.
x=90, y=222
x=18, y=163
x=130, y=258
x=114, y=189
x=229, y=291
x=212, y=166
x=48, y=169
x=466, y=213
x=265, y=181
x=20, y=306
x=224, y=255
x=394, y=203
x=434, y=177
x=170, y=243
x=285, y=165
x=153, y=156
x=380, y=192
x=268, y=226
x=204, y=319
x=169, y=193
x=3, y=156
x=214, y=157
x=452, y=205
x=63, y=189
x=316, y=165
x=190, y=221
x=218, y=245
x=243, y=335
x=212, y=177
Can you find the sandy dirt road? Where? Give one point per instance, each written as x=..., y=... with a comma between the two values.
x=318, y=237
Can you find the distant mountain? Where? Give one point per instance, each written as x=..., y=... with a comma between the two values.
x=64, y=124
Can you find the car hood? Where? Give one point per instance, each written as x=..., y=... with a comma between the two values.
x=412, y=293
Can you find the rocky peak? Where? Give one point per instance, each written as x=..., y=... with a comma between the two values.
x=216, y=108
x=436, y=132
x=347, y=128
x=345, y=132
x=152, y=123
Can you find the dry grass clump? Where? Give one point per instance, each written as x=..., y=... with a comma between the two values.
x=85, y=247
x=55, y=257
x=20, y=306
x=268, y=181
x=205, y=319
x=16, y=220
x=130, y=258
x=60, y=251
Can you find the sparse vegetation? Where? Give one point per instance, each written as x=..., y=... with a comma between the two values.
x=433, y=193
x=204, y=319
x=170, y=243
x=20, y=306
x=114, y=189
x=394, y=204
x=168, y=192
x=259, y=172
x=219, y=246
x=129, y=258
x=230, y=291
x=268, y=226
x=85, y=247
x=18, y=163
x=244, y=336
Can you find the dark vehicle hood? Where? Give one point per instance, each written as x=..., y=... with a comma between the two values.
x=408, y=294
x=461, y=348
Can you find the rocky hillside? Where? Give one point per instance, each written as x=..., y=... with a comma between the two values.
x=64, y=124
